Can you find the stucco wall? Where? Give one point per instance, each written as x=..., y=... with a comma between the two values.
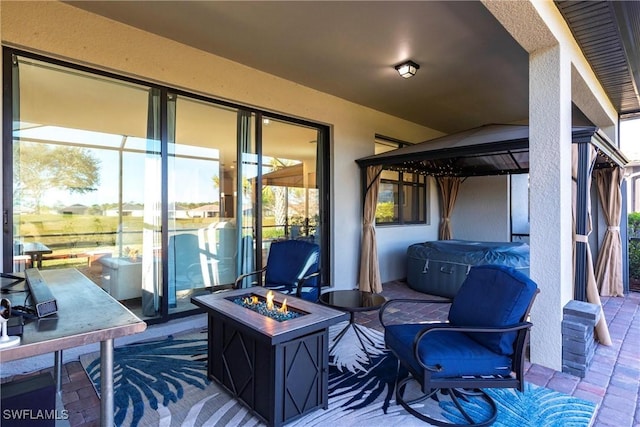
x=65, y=32
x=482, y=210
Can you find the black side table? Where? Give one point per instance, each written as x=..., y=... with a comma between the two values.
x=353, y=301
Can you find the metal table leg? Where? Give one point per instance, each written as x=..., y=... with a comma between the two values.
x=57, y=370
x=359, y=334
x=106, y=383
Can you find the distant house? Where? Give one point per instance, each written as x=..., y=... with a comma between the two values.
x=128, y=209
x=180, y=212
x=76, y=209
x=205, y=211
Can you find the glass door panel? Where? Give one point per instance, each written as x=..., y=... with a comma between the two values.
x=202, y=236
x=290, y=196
x=84, y=174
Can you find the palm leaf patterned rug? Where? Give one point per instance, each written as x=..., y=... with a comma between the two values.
x=164, y=383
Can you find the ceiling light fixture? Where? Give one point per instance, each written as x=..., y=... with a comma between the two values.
x=407, y=69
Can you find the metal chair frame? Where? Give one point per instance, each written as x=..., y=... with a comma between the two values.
x=457, y=387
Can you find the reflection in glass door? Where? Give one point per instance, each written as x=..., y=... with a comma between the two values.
x=290, y=196
x=86, y=177
x=202, y=240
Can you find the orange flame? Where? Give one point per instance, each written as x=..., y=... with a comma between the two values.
x=270, y=300
x=283, y=308
x=252, y=300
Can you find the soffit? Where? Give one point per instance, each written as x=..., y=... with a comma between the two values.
x=608, y=32
x=472, y=71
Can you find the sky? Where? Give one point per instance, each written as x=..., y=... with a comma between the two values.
x=193, y=169
x=630, y=139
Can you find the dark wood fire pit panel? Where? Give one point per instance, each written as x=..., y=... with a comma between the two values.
x=296, y=371
x=278, y=369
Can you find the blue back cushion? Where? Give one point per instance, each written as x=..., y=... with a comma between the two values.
x=492, y=295
x=289, y=261
x=184, y=250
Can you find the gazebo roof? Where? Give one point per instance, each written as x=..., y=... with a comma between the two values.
x=494, y=149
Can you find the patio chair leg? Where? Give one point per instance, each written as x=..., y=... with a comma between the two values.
x=453, y=393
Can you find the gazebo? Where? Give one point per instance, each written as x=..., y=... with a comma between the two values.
x=500, y=149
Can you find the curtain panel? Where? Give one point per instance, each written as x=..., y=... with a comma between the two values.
x=369, y=277
x=449, y=186
x=609, y=265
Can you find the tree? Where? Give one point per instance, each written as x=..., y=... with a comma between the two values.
x=42, y=168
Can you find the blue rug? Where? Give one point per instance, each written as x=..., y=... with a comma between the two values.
x=164, y=383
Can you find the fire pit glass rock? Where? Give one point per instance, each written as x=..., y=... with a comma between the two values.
x=267, y=307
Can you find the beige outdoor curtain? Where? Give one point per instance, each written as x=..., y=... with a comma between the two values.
x=609, y=265
x=369, y=277
x=602, y=330
x=449, y=186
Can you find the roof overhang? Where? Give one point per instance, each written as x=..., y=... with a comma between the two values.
x=608, y=33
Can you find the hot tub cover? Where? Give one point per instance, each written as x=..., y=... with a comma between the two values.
x=440, y=267
x=511, y=254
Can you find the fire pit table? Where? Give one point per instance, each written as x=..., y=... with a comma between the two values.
x=276, y=365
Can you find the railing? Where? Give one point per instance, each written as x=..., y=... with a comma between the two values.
x=75, y=248
x=78, y=245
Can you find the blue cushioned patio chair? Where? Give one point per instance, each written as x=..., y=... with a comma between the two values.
x=482, y=345
x=292, y=268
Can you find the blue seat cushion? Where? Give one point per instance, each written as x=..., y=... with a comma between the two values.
x=456, y=352
x=493, y=295
x=309, y=293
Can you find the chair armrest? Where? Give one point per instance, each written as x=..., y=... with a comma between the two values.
x=245, y=275
x=453, y=328
x=304, y=279
x=391, y=302
x=317, y=273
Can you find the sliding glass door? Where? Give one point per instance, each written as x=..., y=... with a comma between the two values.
x=154, y=194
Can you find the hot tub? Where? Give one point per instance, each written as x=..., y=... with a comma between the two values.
x=440, y=267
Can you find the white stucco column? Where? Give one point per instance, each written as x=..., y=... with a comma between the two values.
x=550, y=199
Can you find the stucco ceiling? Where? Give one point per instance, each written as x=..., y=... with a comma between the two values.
x=471, y=73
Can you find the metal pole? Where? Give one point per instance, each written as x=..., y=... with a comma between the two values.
x=106, y=383
x=580, y=284
x=57, y=370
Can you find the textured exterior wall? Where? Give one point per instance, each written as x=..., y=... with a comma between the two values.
x=559, y=74
x=482, y=210
x=551, y=244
